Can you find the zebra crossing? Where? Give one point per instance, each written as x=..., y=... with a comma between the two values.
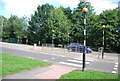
x=76, y=62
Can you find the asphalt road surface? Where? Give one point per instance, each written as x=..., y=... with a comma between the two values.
x=99, y=65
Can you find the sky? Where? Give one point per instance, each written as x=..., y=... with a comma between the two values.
x=27, y=7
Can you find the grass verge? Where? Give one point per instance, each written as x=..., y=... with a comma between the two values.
x=12, y=63
x=89, y=74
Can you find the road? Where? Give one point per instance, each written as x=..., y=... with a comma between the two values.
x=94, y=64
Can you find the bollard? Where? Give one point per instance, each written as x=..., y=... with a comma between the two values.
x=64, y=48
x=35, y=46
x=42, y=47
x=99, y=50
x=102, y=52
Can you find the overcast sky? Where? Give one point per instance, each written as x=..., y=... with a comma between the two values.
x=27, y=7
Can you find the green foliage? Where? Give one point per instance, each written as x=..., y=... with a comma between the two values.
x=77, y=20
x=109, y=18
x=68, y=25
x=37, y=28
x=59, y=22
x=15, y=27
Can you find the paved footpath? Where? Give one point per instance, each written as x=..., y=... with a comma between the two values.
x=51, y=72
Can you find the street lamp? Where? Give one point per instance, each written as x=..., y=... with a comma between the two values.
x=103, y=27
x=52, y=38
x=84, y=10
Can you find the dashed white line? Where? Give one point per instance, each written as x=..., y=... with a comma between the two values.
x=31, y=57
x=45, y=60
x=114, y=72
x=53, y=58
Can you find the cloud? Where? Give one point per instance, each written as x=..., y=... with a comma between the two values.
x=27, y=7
x=101, y=5
x=70, y=3
x=21, y=7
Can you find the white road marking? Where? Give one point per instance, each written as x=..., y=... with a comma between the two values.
x=115, y=68
x=71, y=64
x=114, y=72
x=31, y=57
x=45, y=60
x=53, y=58
x=77, y=61
x=80, y=59
x=116, y=65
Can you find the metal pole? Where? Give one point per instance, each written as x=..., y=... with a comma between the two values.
x=84, y=42
x=52, y=40
x=103, y=45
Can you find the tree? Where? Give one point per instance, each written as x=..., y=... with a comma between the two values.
x=59, y=22
x=15, y=27
x=77, y=20
x=37, y=23
x=110, y=19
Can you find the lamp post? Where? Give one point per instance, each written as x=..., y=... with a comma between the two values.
x=68, y=38
x=84, y=10
x=52, y=38
x=103, y=27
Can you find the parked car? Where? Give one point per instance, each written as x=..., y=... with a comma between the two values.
x=78, y=47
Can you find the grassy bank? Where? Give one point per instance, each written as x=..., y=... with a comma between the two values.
x=89, y=74
x=12, y=63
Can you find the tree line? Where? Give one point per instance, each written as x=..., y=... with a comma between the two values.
x=67, y=25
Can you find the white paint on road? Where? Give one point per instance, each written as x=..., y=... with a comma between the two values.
x=31, y=57
x=116, y=65
x=77, y=61
x=115, y=68
x=114, y=72
x=45, y=60
x=53, y=58
x=80, y=59
x=71, y=64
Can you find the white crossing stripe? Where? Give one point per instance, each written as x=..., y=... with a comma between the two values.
x=115, y=68
x=71, y=64
x=114, y=72
x=116, y=65
x=78, y=61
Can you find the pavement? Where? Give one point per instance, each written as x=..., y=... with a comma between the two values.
x=55, y=71
x=51, y=72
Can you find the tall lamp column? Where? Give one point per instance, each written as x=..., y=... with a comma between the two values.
x=53, y=38
x=84, y=10
x=103, y=27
